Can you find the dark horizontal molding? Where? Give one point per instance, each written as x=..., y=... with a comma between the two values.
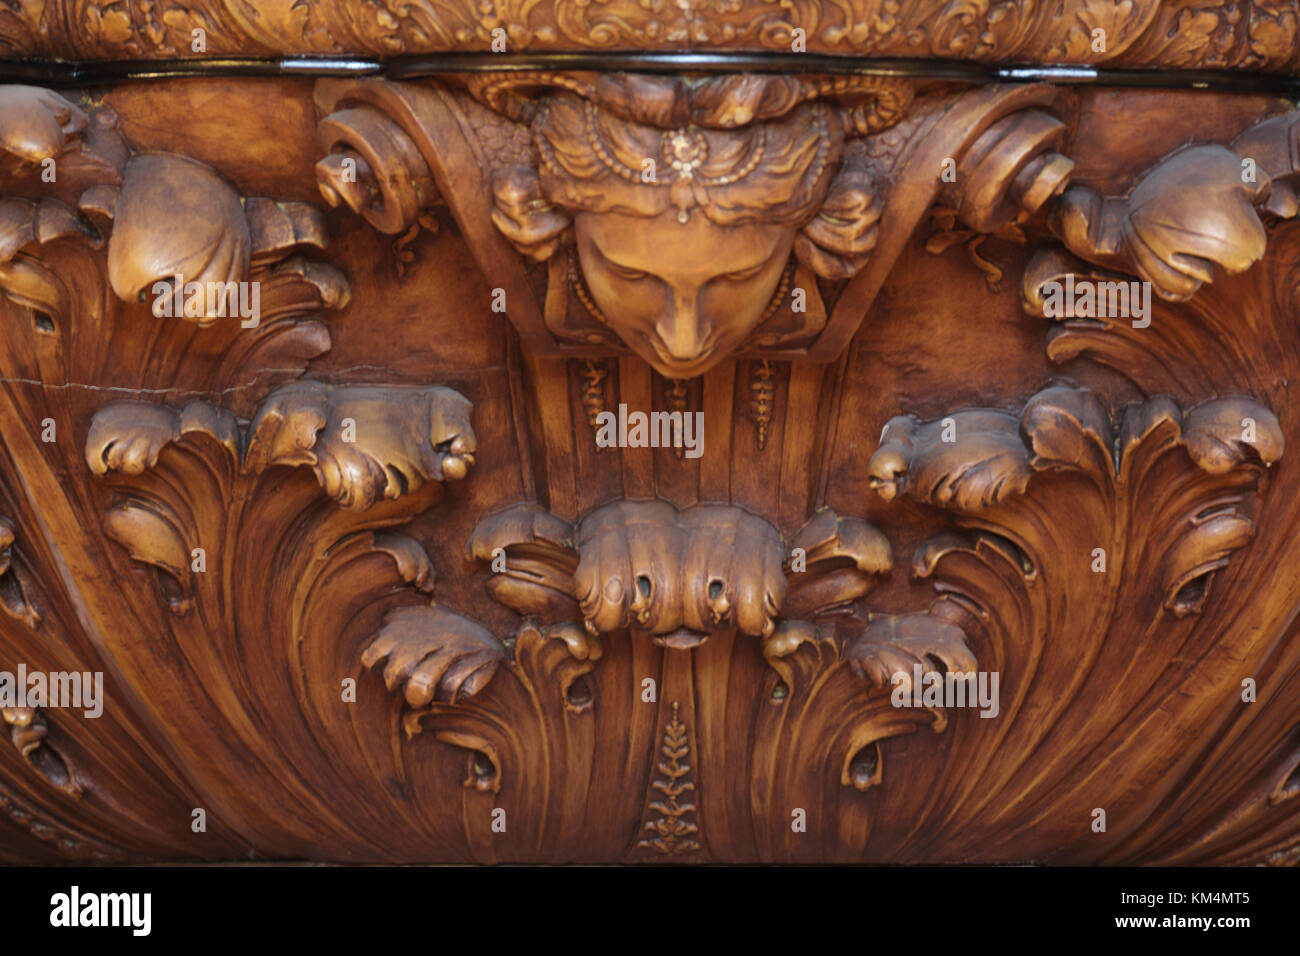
x=98, y=72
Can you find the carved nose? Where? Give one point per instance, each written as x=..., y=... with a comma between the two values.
x=685, y=333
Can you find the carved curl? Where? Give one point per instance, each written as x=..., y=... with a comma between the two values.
x=835, y=244
x=679, y=575
x=524, y=216
x=176, y=216
x=374, y=168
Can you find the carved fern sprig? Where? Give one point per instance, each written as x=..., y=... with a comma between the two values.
x=672, y=831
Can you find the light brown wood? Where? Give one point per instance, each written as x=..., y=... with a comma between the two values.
x=319, y=428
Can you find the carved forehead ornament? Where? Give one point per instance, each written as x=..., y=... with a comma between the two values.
x=735, y=147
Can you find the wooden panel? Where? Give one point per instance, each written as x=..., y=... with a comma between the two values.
x=584, y=465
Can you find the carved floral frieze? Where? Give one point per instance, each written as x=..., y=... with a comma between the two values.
x=1257, y=35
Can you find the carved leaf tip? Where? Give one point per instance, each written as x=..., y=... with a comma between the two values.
x=13, y=590
x=968, y=460
x=1225, y=433
x=365, y=443
x=129, y=436
x=434, y=653
x=1189, y=216
x=891, y=647
x=36, y=123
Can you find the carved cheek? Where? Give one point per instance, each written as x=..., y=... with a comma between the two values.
x=735, y=307
x=629, y=305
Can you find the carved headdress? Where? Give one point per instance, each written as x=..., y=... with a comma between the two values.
x=737, y=148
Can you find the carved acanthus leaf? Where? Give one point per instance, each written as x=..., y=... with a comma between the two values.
x=36, y=124
x=364, y=443
x=843, y=555
x=1137, y=511
x=1190, y=214
x=128, y=436
x=890, y=648
x=533, y=557
x=435, y=654
x=680, y=575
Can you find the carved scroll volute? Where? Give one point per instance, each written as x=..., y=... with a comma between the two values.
x=1011, y=172
x=374, y=168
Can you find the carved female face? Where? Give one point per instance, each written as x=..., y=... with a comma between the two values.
x=682, y=296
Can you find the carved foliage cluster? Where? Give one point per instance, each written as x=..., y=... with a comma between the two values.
x=1083, y=617
x=700, y=579
x=195, y=510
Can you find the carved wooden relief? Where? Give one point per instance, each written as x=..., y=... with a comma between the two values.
x=1257, y=34
x=553, y=463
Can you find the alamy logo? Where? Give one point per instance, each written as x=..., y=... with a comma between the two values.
x=947, y=690
x=683, y=430
x=75, y=908
x=176, y=298
x=74, y=689
x=1087, y=299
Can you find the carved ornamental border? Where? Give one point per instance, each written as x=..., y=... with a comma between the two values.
x=1257, y=35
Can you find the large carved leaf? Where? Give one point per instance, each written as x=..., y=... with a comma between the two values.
x=1150, y=525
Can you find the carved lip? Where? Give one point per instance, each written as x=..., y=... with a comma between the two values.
x=681, y=639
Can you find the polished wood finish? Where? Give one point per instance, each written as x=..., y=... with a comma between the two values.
x=1160, y=34
x=367, y=582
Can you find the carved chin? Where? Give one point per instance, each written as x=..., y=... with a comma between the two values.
x=682, y=368
x=671, y=366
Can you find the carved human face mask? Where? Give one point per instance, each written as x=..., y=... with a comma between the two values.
x=682, y=296
x=683, y=235
x=686, y=211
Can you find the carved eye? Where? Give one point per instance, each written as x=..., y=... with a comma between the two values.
x=631, y=275
x=742, y=274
